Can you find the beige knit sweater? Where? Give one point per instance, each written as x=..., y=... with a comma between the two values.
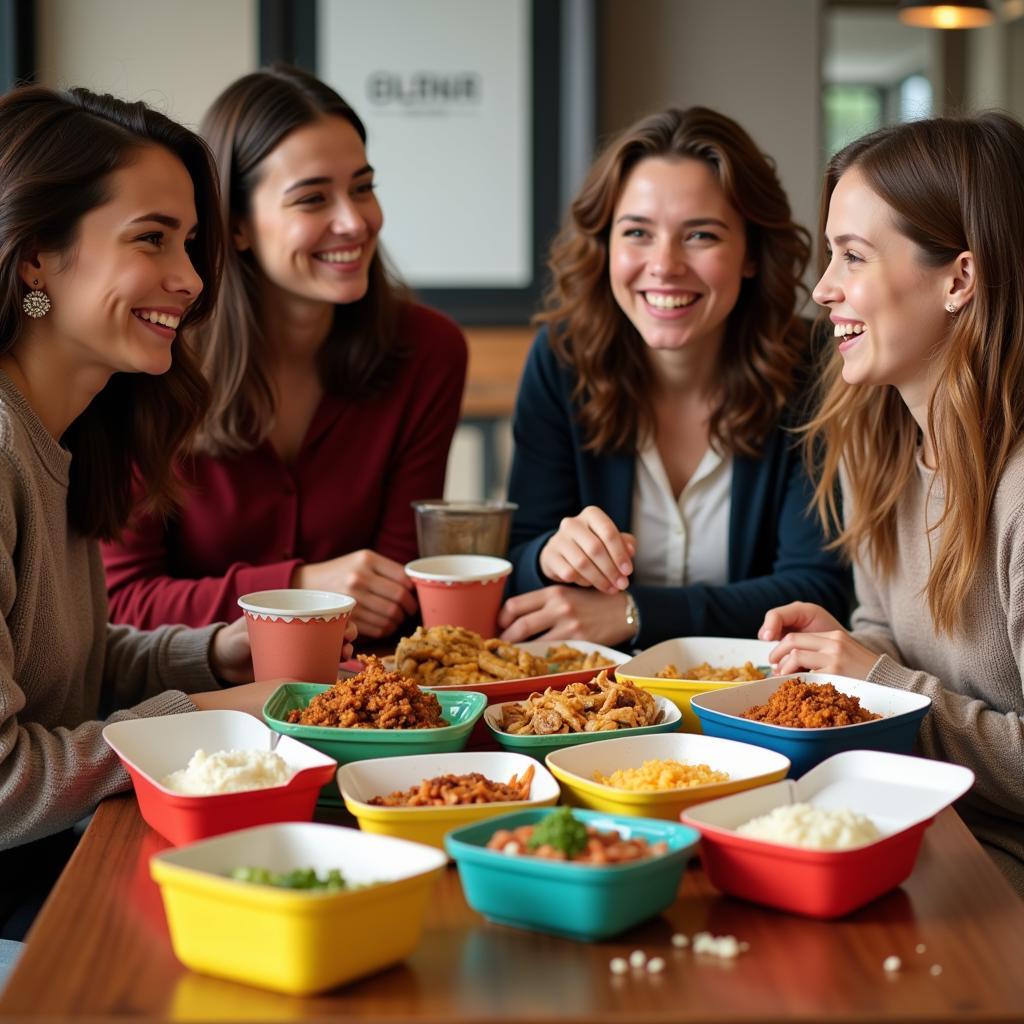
x=62, y=665
x=973, y=678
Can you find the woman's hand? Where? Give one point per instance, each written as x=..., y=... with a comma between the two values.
x=565, y=613
x=835, y=652
x=384, y=594
x=797, y=617
x=230, y=654
x=231, y=657
x=589, y=550
x=812, y=640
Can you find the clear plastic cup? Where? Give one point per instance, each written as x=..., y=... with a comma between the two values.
x=296, y=634
x=463, y=527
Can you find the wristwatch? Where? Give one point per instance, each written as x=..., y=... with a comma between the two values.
x=632, y=616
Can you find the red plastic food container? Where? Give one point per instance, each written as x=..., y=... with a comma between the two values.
x=900, y=794
x=151, y=748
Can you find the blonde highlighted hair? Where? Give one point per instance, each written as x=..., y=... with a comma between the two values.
x=954, y=185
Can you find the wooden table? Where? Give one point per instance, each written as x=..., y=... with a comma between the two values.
x=100, y=949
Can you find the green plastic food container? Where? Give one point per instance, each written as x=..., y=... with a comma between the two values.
x=460, y=708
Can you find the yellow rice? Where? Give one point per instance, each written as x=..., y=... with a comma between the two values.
x=658, y=774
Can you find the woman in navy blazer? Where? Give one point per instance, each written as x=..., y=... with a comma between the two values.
x=666, y=382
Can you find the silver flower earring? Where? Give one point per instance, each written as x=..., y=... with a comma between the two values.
x=36, y=302
x=951, y=307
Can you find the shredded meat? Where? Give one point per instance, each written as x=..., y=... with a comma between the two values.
x=596, y=705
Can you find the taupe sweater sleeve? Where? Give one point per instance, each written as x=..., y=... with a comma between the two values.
x=60, y=663
x=140, y=664
x=970, y=728
x=967, y=731
x=52, y=777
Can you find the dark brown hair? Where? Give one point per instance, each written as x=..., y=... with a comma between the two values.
x=244, y=125
x=57, y=152
x=764, y=341
x=954, y=185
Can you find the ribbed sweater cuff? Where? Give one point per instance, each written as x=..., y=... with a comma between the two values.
x=188, y=660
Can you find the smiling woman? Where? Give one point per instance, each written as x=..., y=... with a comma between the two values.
x=335, y=396
x=922, y=416
x=659, y=493
x=109, y=250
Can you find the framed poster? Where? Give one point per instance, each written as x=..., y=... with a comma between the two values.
x=462, y=100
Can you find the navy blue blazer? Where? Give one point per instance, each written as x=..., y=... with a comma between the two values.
x=776, y=546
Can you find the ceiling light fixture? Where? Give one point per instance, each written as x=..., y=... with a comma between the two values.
x=961, y=14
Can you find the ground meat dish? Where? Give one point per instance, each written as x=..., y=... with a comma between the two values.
x=802, y=705
x=450, y=790
x=372, y=699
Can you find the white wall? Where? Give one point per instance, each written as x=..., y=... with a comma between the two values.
x=756, y=60
x=177, y=55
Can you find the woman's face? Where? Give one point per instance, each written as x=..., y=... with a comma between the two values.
x=119, y=293
x=888, y=308
x=314, y=218
x=677, y=253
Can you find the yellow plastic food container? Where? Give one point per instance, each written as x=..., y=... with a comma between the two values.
x=746, y=765
x=298, y=942
x=361, y=781
x=685, y=652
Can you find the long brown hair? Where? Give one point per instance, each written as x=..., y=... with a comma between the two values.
x=246, y=122
x=57, y=152
x=954, y=185
x=764, y=341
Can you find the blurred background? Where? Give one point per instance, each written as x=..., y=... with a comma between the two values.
x=802, y=76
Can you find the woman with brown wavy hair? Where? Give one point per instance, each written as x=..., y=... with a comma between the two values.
x=922, y=416
x=109, y=251
x=659, y=491
x=335, y=396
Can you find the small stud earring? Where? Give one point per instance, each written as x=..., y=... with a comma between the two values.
x=36, y=303
x=951, y=307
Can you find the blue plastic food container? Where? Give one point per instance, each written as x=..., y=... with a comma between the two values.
x=895, y=732
x=577, y=901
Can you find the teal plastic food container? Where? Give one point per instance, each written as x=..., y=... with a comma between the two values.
x=577, y=901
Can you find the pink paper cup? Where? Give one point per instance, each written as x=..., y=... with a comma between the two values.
x=296, y=634
x=460, y=590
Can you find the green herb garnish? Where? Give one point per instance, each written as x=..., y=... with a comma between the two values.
x=300, y=878
x=561, y=831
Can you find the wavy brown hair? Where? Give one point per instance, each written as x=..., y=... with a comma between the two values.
x=954, y=185
x=765, y=342
x=246, y=122
x=57, y=153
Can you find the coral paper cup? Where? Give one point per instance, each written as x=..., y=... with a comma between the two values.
x=460, y=590
x=296, y=634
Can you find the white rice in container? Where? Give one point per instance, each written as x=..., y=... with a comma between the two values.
x=812, y=827
x=229, y=771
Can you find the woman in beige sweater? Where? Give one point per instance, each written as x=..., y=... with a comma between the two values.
x=108, y=234
x=922, y=417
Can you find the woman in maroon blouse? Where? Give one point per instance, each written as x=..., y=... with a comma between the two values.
x=335, y=396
